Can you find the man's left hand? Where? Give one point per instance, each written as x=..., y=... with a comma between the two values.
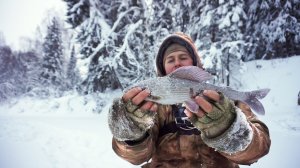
x=215, y=115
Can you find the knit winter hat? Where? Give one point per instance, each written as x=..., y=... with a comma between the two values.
x=173, y=48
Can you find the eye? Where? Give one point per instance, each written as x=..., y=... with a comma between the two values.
x=184, y=57
x=170, y=60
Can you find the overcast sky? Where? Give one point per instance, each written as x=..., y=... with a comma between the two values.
x=20, y=18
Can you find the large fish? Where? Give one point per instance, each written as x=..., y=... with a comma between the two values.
x=181, y=85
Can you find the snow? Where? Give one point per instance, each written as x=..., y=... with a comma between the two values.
x=68, y=132
x=56, y=133
x=282, y=112
x=226, y=21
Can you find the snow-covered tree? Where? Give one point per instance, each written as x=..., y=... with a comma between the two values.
x=273, y=28
x=5, y=72
x=30, y=62
x=170, y=16
x=11, y=74
x=73, y=77
x=218, y=32
x=52, y=64
x=78, y=11
x=119, y=39
x=112, y=40
x=92, y=37
x=133, y=55
x=38, y=42
x=232, y=26
x=163, y=17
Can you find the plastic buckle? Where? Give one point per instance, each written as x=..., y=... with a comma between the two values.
x=181, y=120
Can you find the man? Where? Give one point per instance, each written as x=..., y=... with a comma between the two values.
x=222, y=133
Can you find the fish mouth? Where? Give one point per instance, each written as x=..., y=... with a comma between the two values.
x=176, y=67
x=154, y=98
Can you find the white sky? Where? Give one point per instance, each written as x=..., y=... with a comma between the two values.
x=19, y=18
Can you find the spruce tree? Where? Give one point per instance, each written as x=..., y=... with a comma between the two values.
x=30, y=62
x=218, y=33
x=11, y=74
x=112, y=38
x=77, y=11
x=273, y=28
x=52, y=64
x=92, y=38
x=73, y=77
x=132, y=55
x=119, y=39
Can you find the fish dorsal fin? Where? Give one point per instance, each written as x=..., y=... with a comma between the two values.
x=192, y=73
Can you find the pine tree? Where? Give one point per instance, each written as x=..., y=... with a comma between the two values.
x=218, y=34
x=232, y=26
x=273, y=28
x=162, y=16
x=78, y=11
x=30, y=62
x=167, y=19
x=119, y=39
x=133, y=59
x=52, y=64
x=11, y=74
x=112, y=39
x=73, y=77
x=101, y=75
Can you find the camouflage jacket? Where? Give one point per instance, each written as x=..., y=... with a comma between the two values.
x=167, y=146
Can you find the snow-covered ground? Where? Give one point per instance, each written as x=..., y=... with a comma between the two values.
x=67, y=133
x=282, y=112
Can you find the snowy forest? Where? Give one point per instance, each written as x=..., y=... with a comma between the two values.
x=105, y=45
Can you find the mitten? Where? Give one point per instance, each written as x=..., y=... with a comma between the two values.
x=128, y=122
x=217, y=121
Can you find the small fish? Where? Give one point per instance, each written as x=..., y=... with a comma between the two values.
x=184, y=83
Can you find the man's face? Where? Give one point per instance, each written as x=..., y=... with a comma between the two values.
x=176, y=60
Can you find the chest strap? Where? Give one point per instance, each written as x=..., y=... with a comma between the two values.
x=172, y=127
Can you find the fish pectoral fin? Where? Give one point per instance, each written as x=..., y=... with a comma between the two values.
x=192, y=106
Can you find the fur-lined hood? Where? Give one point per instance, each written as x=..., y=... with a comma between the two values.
x=181, y=39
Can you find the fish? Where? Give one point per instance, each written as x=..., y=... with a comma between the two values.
x=184, y=83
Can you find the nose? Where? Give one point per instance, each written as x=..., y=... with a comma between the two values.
x=177, y=63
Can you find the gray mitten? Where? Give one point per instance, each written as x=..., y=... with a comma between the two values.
x=218, y=121
x=128, y=122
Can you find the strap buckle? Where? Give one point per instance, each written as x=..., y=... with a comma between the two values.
x=181, y=120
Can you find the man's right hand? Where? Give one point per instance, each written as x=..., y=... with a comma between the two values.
x=132, y=116
x=137, y=97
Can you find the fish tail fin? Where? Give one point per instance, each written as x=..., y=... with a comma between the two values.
x=254, y=103
x=259, y=94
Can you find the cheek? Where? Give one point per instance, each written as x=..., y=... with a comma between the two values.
x=187, y=62
x=168, y=68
